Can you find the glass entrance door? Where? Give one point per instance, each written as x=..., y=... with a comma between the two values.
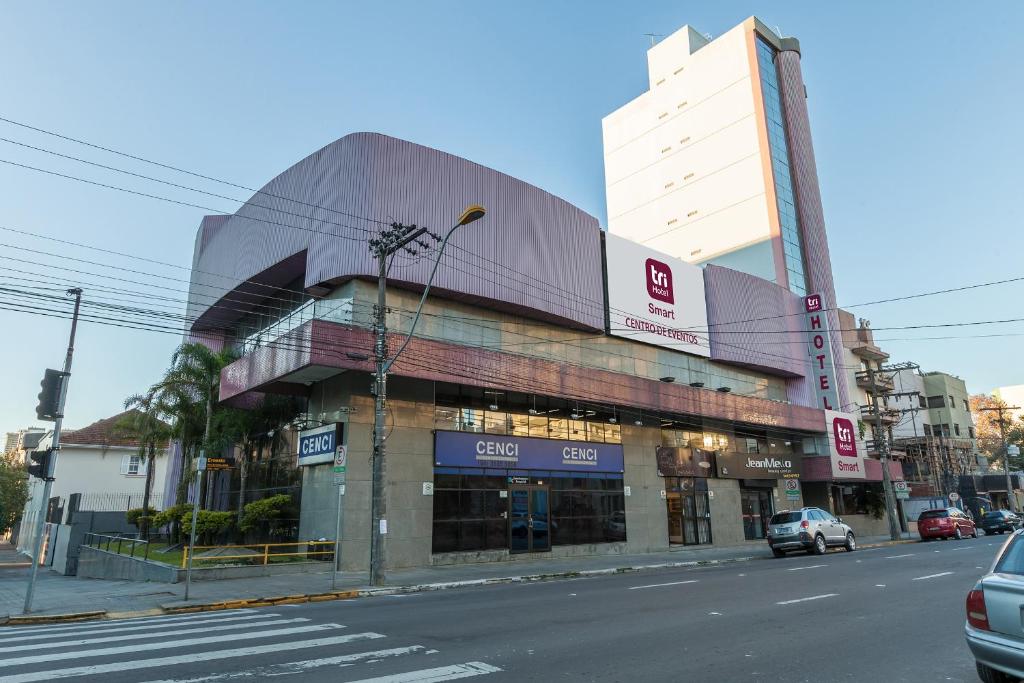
x=529, y=526
x=757, y=509
x=689, y=511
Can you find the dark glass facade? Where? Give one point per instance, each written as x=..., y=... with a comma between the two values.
x=791, y=241
x=472, y=507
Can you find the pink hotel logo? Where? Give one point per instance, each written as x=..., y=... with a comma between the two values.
x=659, y=281
x=813, y=303
x=842, y=429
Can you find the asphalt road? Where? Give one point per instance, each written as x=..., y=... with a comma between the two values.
x=880, y=615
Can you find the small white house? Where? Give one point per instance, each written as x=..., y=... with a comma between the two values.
x=103, y=465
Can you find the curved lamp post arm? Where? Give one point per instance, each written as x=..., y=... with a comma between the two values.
x=472, y=213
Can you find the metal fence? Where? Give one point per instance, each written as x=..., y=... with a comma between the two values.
x=117, y=502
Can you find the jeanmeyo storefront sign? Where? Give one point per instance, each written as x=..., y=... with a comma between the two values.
x=655, y=298
x=845, y=446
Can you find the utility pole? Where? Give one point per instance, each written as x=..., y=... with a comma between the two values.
x=384, y=246
x=882, y=441
x=1011, y=498
x=55, y=448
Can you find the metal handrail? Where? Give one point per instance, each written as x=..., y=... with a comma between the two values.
x=266, y=554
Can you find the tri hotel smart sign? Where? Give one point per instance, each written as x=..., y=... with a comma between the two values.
x=655, y=298
x=846, y=455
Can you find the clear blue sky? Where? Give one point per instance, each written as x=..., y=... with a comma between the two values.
x=915, y=110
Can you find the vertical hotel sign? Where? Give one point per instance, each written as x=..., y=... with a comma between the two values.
x=823, y=372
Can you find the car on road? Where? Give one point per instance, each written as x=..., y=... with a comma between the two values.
x=999, y=521
x=945, y=523
x=811, y=529
x=994, y=628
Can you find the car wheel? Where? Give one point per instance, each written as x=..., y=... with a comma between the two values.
x=957, y=534
x=819, y=545
x=778, y=553
x=989, y=675
x=851, y=542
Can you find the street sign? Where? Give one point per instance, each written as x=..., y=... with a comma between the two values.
x=340, y=465
x=954, y=497
x=792, y=488
x=1013, y=450
x=902, y=490
x=200, y=464
x=217, y=464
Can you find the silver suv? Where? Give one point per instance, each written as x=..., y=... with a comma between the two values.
x=810, y=529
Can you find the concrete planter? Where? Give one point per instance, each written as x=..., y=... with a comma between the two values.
x=94, y=563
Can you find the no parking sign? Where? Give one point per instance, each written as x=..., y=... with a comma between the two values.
x=792, y=488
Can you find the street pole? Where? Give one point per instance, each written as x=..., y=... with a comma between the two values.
x=883, y=451
x=337, y=538
x=379, y=497
x=201, y=466
x=1010, y=497
x=52, y=462
x=384, y=246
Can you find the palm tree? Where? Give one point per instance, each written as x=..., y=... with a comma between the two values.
x=187, y=394
x=143, y=422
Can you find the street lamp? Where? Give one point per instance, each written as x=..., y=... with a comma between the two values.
x=383, y=246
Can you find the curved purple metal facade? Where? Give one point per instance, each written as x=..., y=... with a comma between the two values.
x=533, y=252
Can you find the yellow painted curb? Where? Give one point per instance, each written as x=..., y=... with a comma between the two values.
x=346, y=595
x=322, y=598
x=292, y=601
x=54, y=618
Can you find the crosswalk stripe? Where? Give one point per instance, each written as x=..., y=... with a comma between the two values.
x=113, y=628
x=286, y=668
x=167, y=644
x=441, y=673
x=189, y=658
x=5, y=630
x=159, y=634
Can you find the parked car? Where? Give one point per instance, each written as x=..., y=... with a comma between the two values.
x=810, y=529
x=999, y=521
x=994, y=630
x=945, y=523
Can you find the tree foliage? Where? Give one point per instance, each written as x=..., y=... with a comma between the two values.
x=260, y=513
x=987, y=429
x=13, y=491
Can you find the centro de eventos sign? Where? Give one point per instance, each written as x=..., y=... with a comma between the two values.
x=654, y=298
x=461, y=449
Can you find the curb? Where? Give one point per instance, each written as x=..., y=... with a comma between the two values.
x=299, y=598
x=31, y=619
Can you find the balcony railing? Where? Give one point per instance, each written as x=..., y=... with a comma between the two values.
x=884, y=383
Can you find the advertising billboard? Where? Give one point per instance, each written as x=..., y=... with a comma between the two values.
x=758, y=466
x=684, y=462
x=846, y=448
x=823, y=372
x=655, y=298
x=464, y=449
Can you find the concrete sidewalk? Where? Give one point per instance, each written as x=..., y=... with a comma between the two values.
x=60, y=595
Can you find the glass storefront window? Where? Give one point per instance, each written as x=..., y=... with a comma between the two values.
x=558, y=429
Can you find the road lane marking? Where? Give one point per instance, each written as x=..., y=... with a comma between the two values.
x=714, y=614
x=936, y=551
x=966, y=547
x=896, y=557
x=813, y=597
x=187, y=658
x=167, y=644
x=113, y=627
x=932, y=576
x=879, y=585
x=441, y=673
x=159, y=634
x=286, y=668
x=813, y=566
x=659, y=585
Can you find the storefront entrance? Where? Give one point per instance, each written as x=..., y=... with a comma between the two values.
x=758, y=507
x=689, y=513
x=529, y=519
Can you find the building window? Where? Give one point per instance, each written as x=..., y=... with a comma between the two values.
x=927, y=429
x=967, y=406
x=936, y=401
x=921, y=401
x=132, y=466
x=970, y=431
x=952, y=401
x=956, y=429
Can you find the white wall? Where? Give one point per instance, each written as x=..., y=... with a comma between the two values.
x=682, y=161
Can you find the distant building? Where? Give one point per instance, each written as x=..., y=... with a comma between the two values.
x=100, y=463
x=15, y=440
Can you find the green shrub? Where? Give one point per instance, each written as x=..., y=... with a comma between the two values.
x=171, y=515
x=260, y=512
x=209, y=524
x=136, y=515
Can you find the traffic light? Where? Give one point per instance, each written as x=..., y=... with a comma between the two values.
x=40, y=469
x=49, y=397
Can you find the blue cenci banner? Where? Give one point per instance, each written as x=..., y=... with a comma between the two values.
x=461, y=449
x=318, y=445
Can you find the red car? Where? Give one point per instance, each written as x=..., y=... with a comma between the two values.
x=945, y=523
